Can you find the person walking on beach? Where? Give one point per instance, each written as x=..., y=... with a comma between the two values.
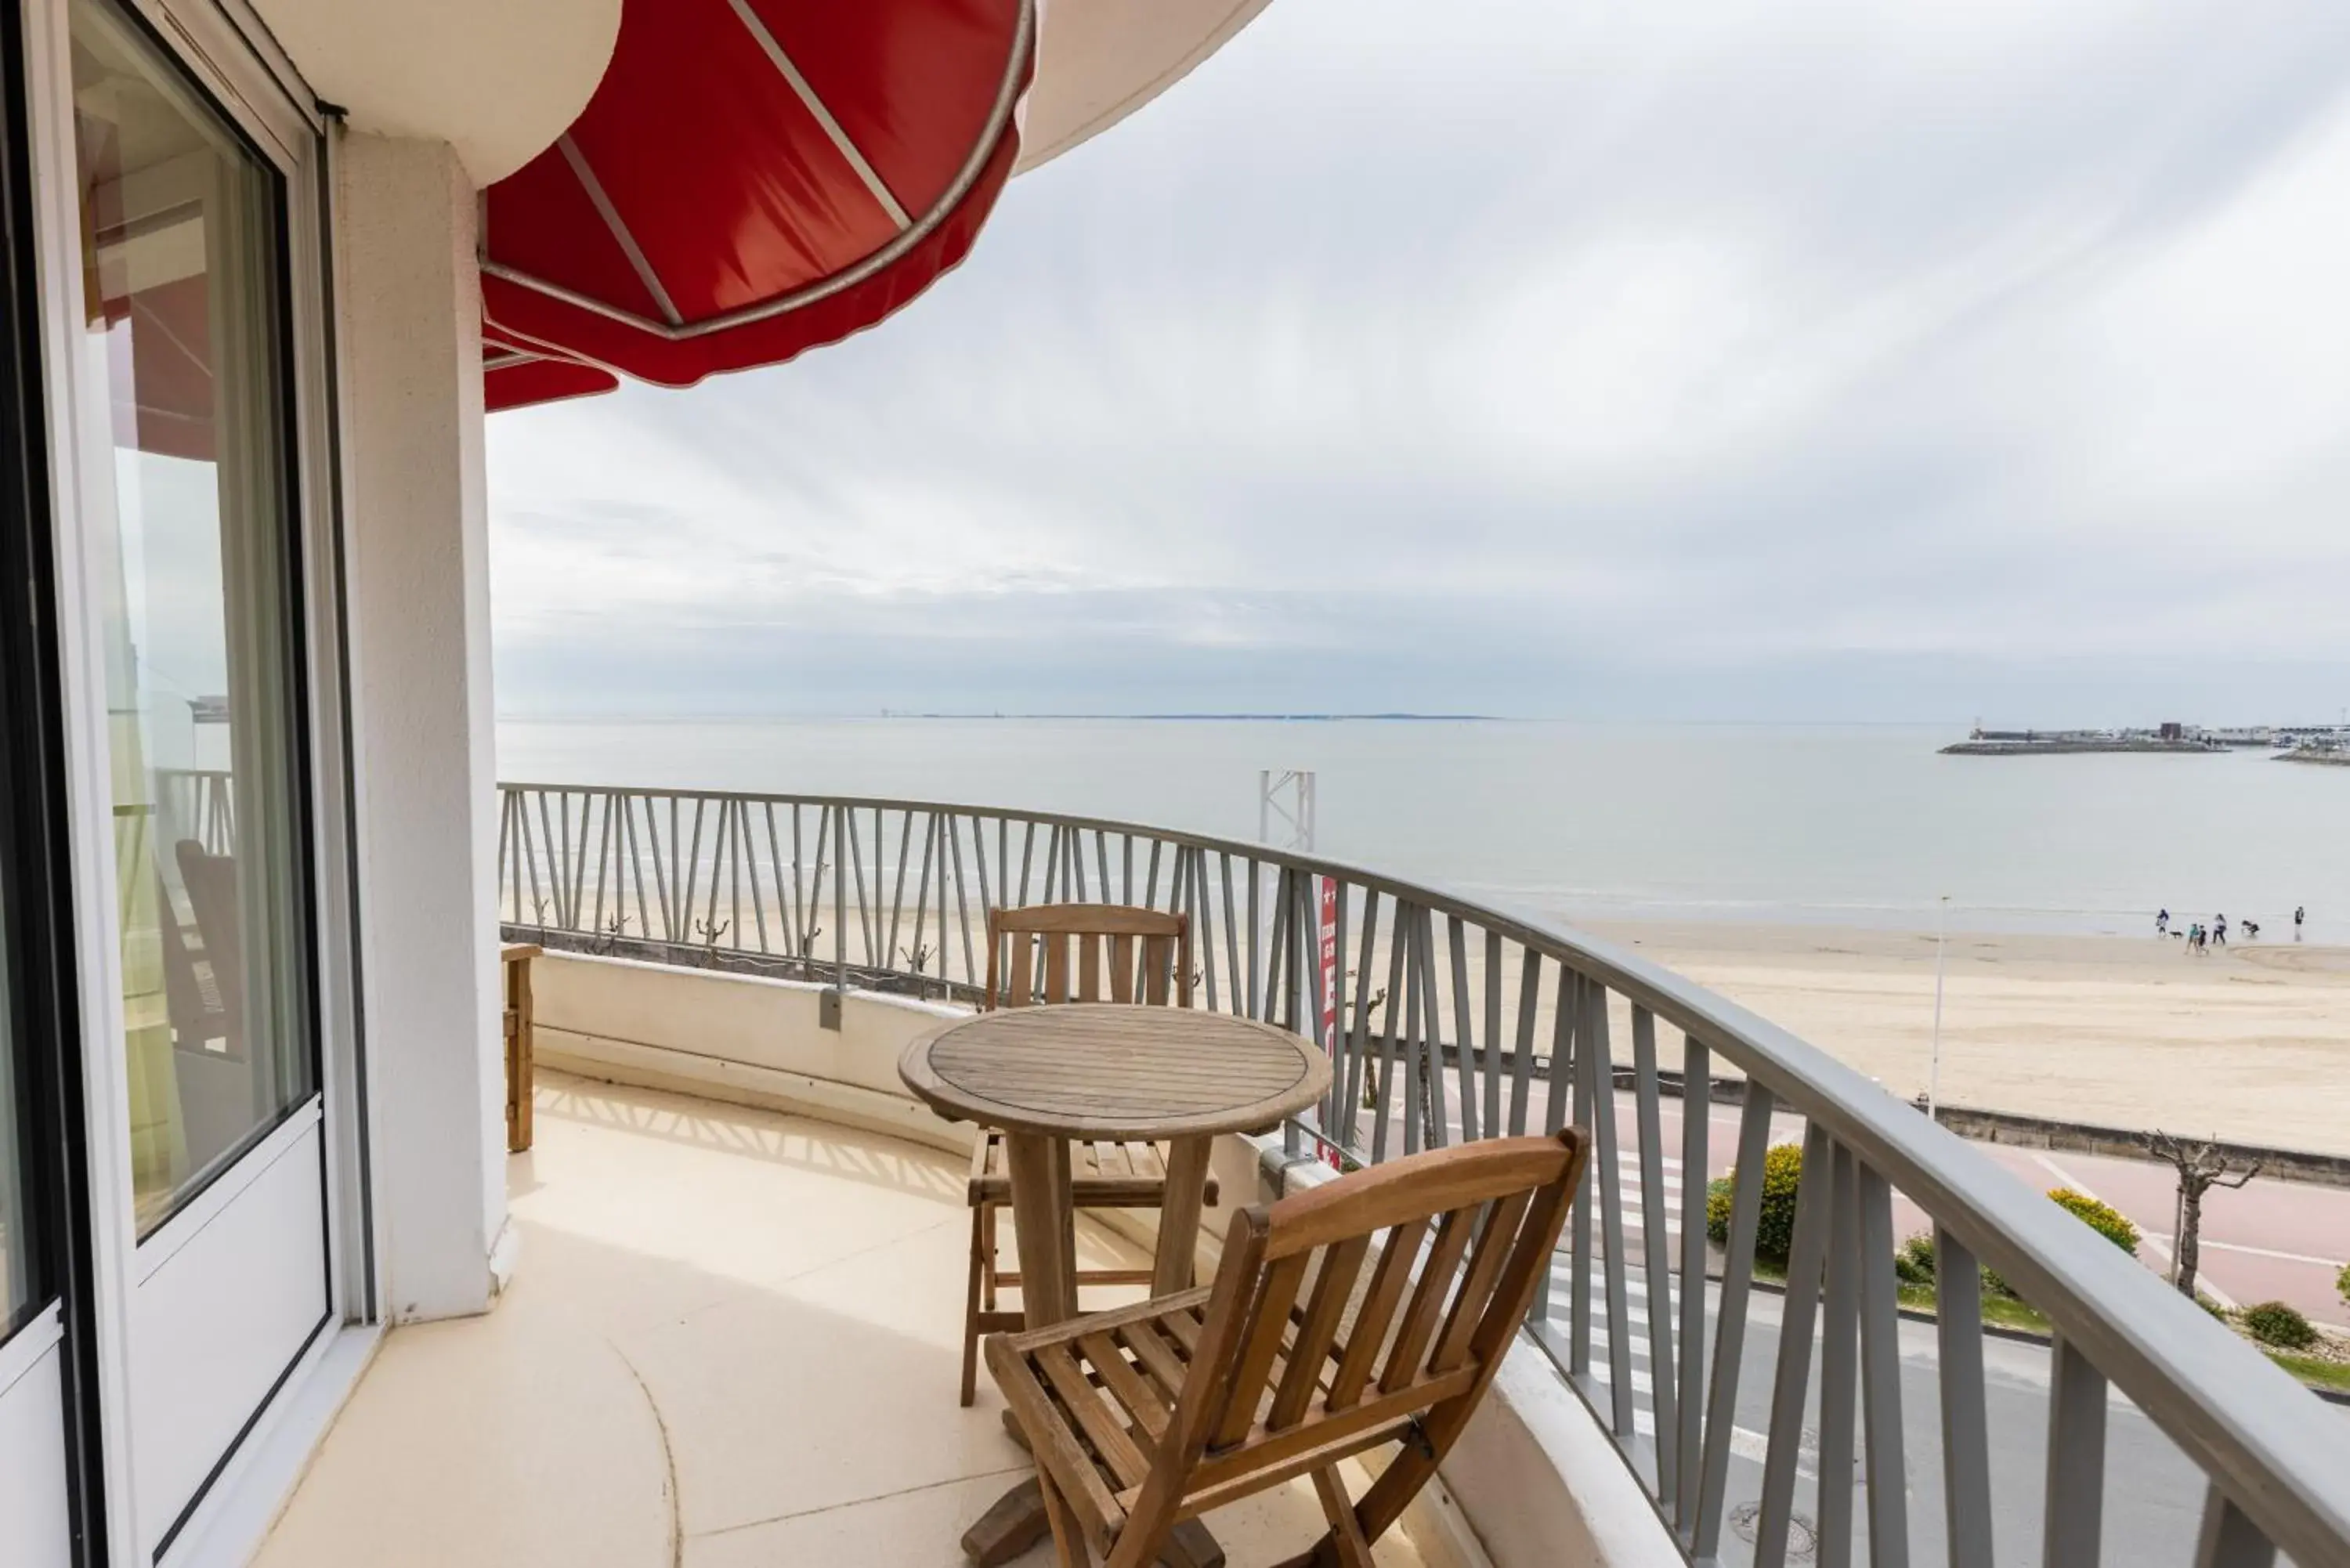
x=2220, y=929
x=2298, y=915
x=2162, y=922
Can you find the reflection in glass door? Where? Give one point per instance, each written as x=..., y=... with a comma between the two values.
x=183, y=336
x=181, y=259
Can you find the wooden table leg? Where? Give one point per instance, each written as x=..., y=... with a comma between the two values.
x=1045, y=1227
x=1173, y=1268
x=1044, y=1235
x=1179, y=1217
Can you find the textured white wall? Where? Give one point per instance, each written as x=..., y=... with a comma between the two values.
x=423, y=719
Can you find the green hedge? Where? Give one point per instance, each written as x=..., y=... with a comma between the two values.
x=2103, y=1217
x=2274, y=1323
x=2341, y=1282
x=1774, y=1233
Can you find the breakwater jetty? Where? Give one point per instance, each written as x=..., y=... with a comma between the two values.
x=2173, y=738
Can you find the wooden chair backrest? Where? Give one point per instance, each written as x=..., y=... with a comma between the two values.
x=211, y=882
x=1088, y=952
x=1409, y=1352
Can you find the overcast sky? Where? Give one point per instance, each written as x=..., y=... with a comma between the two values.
x=1694, y=358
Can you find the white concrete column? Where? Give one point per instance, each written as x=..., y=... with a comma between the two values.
x=422, y=720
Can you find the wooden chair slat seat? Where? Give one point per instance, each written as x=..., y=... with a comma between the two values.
x=1049, y=953
x=1101, y=1175
x=1302, y=1352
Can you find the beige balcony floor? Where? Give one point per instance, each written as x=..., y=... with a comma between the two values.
x=731, y=1342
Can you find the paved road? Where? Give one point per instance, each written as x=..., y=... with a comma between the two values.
x=2153, y=1495
x=2272, y=1241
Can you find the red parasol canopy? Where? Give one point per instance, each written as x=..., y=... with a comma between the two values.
x=752, y=179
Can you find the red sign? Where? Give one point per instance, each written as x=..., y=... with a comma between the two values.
x=1329, y=943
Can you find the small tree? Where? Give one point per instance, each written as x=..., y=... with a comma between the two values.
x=2200, y=1167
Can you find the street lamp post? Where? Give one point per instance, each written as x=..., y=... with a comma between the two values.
x=1934, y=1067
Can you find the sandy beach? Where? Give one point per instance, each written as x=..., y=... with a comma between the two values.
x=2251, y=1043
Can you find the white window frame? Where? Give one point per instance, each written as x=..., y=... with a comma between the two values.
x=232, y=57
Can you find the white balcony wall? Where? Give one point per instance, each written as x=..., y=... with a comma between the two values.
x=423, y=739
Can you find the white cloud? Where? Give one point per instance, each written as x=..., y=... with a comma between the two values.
x=1811, y=341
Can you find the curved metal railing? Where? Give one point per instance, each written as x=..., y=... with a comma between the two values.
x=1449, y=1019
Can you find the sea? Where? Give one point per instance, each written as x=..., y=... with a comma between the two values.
x=1843, y=826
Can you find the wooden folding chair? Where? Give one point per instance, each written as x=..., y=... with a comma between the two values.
x=1142, y=1418
x=1070, y=952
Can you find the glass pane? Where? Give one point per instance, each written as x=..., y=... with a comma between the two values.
x=180, y=267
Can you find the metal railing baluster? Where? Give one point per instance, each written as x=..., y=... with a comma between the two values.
x=1880, y=1376
x=1600, y=1104
x=1839, y=1366
x=2074, y=1511
x=1332, y=1116
x=690, y=878
x=1491, y=1058
x=1966, y=1428
x=1522, y=1065
x=1729, y=1323
x=1237, y=1000
x=1437, y=1131
x=1358, y=1063
x=1254, y=1007
x=854, y=842
x=1657, y=1253
x=559, y=873
x=922, y=901
x=1383, y=1092
x=507, y=802
x=824, y=830
x=840, y=899
x=1814, y=1216
x=897, y=888
x=1203, y=931
x=1576, y=1000
x=971, y=973
x=786, y=895
x=2227, y=1538
x=540, y=902
x=1414, y=1050
x=1696, y=1144
x=1463, y=1027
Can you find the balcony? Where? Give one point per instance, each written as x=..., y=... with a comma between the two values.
x=732, y=1337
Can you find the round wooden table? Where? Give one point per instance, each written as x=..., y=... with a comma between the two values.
x=1110, y=1071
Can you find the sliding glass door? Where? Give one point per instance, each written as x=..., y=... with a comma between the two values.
x=33, y=1503
x=42, y=1394
x=190, y=512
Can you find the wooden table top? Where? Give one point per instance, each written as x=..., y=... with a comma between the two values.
x=1110, y=1070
